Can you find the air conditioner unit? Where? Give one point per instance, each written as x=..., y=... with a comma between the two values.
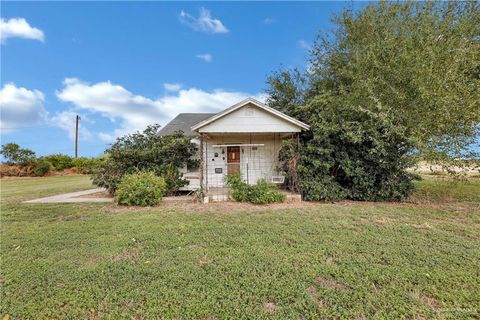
x=278, y=179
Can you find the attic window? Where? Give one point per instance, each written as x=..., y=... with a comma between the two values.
x=249, y=112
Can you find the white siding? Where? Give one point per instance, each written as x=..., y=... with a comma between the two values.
x=250, y=119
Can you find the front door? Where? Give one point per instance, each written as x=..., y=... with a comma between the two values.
x=233, y=160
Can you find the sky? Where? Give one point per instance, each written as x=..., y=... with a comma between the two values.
x=121, y=66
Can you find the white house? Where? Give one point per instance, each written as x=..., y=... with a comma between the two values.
x=243, y=139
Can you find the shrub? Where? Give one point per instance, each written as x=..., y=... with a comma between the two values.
x=350, y=153
x=146, y=151
x=16, y=155
x=41, y=167
x=140, y=189
x=88, y=165
x=261, y=193
x=60, y=161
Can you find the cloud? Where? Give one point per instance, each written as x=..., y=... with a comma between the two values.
x=304, y=44
x=106, y=137
x=66, y=121
x=19, y=28
x=172, y=86
x=111, y=101
x=21, y=107
x=268, y=20
x=204, y=22
x=134, y=112
x=207, y=57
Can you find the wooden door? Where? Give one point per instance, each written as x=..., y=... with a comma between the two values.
x=233, y=160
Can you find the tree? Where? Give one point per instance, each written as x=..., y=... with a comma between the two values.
x=16, y=155
x=393, y=81
x=418, y=62
x=146, y=151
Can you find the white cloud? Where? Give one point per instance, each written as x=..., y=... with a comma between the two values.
x=66, y=121
x=304, y=44
x=19, y=28
x=112, y=101
x=21, y=107
x=172, y=86
x=204, y=22
x=133, y=112
x=106, y=137
x=268, y=20
x=207, y=57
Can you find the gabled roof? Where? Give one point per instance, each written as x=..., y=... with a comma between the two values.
x=184, y=122
x=243, y=103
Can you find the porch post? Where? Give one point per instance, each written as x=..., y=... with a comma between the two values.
x=202, y=162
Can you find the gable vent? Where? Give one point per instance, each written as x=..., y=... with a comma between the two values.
x=249, y=112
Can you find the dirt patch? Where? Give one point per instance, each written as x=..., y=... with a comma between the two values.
x=131, y=254
x=424, y=225
x=330, y=283
x=329, y=261
x=224, y=207
x=232, y=207
x=382, y=221
x=429, y=301
x=203, y=261
x=270, y=308
x=426, y=300
x=313, y=293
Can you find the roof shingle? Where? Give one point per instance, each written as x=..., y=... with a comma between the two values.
x=184, y=122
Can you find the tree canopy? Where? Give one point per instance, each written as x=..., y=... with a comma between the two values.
x=418, y=63
x=393, y=81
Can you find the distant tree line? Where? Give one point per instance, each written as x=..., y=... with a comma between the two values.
x=26, y=162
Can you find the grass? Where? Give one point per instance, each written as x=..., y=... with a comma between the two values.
x=220, y=261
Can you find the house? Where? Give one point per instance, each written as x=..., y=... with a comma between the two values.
x=243, y=139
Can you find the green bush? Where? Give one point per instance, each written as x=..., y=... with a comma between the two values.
x=60, y=161
x=349, y=153
x=140, y=189
x=261, y=193
x=41, y=167
x=88, y=165
x=147, y=151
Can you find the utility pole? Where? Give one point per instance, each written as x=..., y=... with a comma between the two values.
x=76, y=136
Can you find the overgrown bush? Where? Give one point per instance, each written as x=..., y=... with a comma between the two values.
x=260, y=193
x=140, y=189
x=88, y=165
x=60, y=161
x=41, y=167
x=146, y=151
x=351, y=153
x=14, y=155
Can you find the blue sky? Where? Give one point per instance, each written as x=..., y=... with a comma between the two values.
x=124, y=65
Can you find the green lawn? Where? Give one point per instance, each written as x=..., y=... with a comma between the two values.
x=222, y=261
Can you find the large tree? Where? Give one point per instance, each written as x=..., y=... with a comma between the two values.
x=418, y=63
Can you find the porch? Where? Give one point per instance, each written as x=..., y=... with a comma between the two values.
x=251, y=156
